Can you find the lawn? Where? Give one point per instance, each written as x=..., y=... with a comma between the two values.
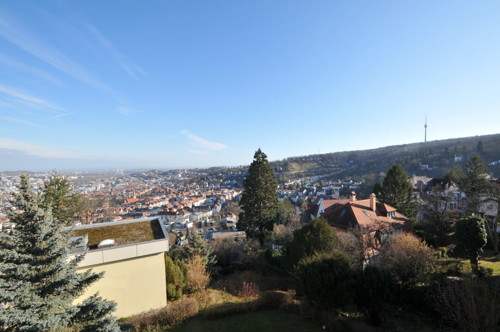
x=262, y=321
x=488, y=260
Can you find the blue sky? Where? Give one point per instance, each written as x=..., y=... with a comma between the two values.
x=171, y=84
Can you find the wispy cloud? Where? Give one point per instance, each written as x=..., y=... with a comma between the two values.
x=26, y=99
x=130, y=68
x=34, y=71
x=26, y=41
x=20, y=121
x=127, y=110
x=39, y=150
x=202, y=145
x=62, y=115
x=198, y=152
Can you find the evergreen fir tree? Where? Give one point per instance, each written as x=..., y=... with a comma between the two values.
x=259, y=200
x=37, y=282
x=198, y=246
x=58, y=195
x=475, y=183
x=396, y=191
x=176, y=275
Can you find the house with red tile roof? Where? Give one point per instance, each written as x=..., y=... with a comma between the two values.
x=377, y=221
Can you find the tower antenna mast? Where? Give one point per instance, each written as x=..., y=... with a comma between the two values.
x=425, y=126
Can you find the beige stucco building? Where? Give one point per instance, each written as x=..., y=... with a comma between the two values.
x=131, y=255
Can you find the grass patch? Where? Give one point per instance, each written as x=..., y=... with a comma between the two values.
x=262, y=321
x=122, y=234
x=486, y=260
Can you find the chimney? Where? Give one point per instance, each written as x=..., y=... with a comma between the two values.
x=373, y=202
x=352, y=198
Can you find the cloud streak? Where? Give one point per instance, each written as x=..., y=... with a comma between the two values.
x=20, y=121
x=23, y=98
x=33, y=71
x=202, y=145
x=39, y=150
x=47, y=53
x=130, y=68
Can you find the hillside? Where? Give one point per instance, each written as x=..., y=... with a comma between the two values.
x=433, y=159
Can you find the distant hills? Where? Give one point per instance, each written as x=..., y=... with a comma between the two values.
x=433, y=159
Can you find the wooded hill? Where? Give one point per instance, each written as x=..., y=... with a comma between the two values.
x=433, y=159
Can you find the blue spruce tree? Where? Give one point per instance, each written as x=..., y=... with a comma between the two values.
x=38, y=282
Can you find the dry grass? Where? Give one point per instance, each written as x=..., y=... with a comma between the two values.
x=173, y=314
x=198, y=276
x=122, y=234
x=251, y=283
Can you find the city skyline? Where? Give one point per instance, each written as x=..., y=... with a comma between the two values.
x=197, y=84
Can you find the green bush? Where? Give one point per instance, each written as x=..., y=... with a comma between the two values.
x=441, y=253
x=484, y=272
x=327, y=278
x=176, y=277
x=315, y=237
x=455, y=269
x=373, y=289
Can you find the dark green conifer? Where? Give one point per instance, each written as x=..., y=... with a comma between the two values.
x=38, y=282
x=397, y=191
x=259, y=200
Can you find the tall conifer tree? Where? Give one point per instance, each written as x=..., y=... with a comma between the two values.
x=475, y=183
x=259, y=200
x=396, y=191
x=38, y=283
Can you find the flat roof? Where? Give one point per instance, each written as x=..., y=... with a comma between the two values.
x=124, y=232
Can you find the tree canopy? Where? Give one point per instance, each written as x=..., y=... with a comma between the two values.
x=59, y=196
x=315, y=237
x=38, y=281
x=471, y=234
x=475, y=183
x=259, y=201
x=396, y=191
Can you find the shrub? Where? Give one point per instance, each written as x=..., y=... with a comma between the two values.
x=197, y=277
x=470, y=304
x=210, y=297
x=226, y=251
x=456, y=268
x=227, y=309
x=181, y=310
x=471, y=234
x=175, y=274
x=408, y=259
x=249, y=290
x=274, y=300
x=441, y=253
x=174, y=313
x=373, y=289
x=315, y=237
x=327, y=278
x=484, y=272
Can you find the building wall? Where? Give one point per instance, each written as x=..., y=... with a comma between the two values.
x=136, y=284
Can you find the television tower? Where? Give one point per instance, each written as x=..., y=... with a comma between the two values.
x=425, y=126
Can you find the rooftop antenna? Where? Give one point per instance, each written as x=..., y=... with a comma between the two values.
x=425, y=126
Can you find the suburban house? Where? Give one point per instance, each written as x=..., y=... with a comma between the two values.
x=453, y=199
x=376, y=221
x=131, y=254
